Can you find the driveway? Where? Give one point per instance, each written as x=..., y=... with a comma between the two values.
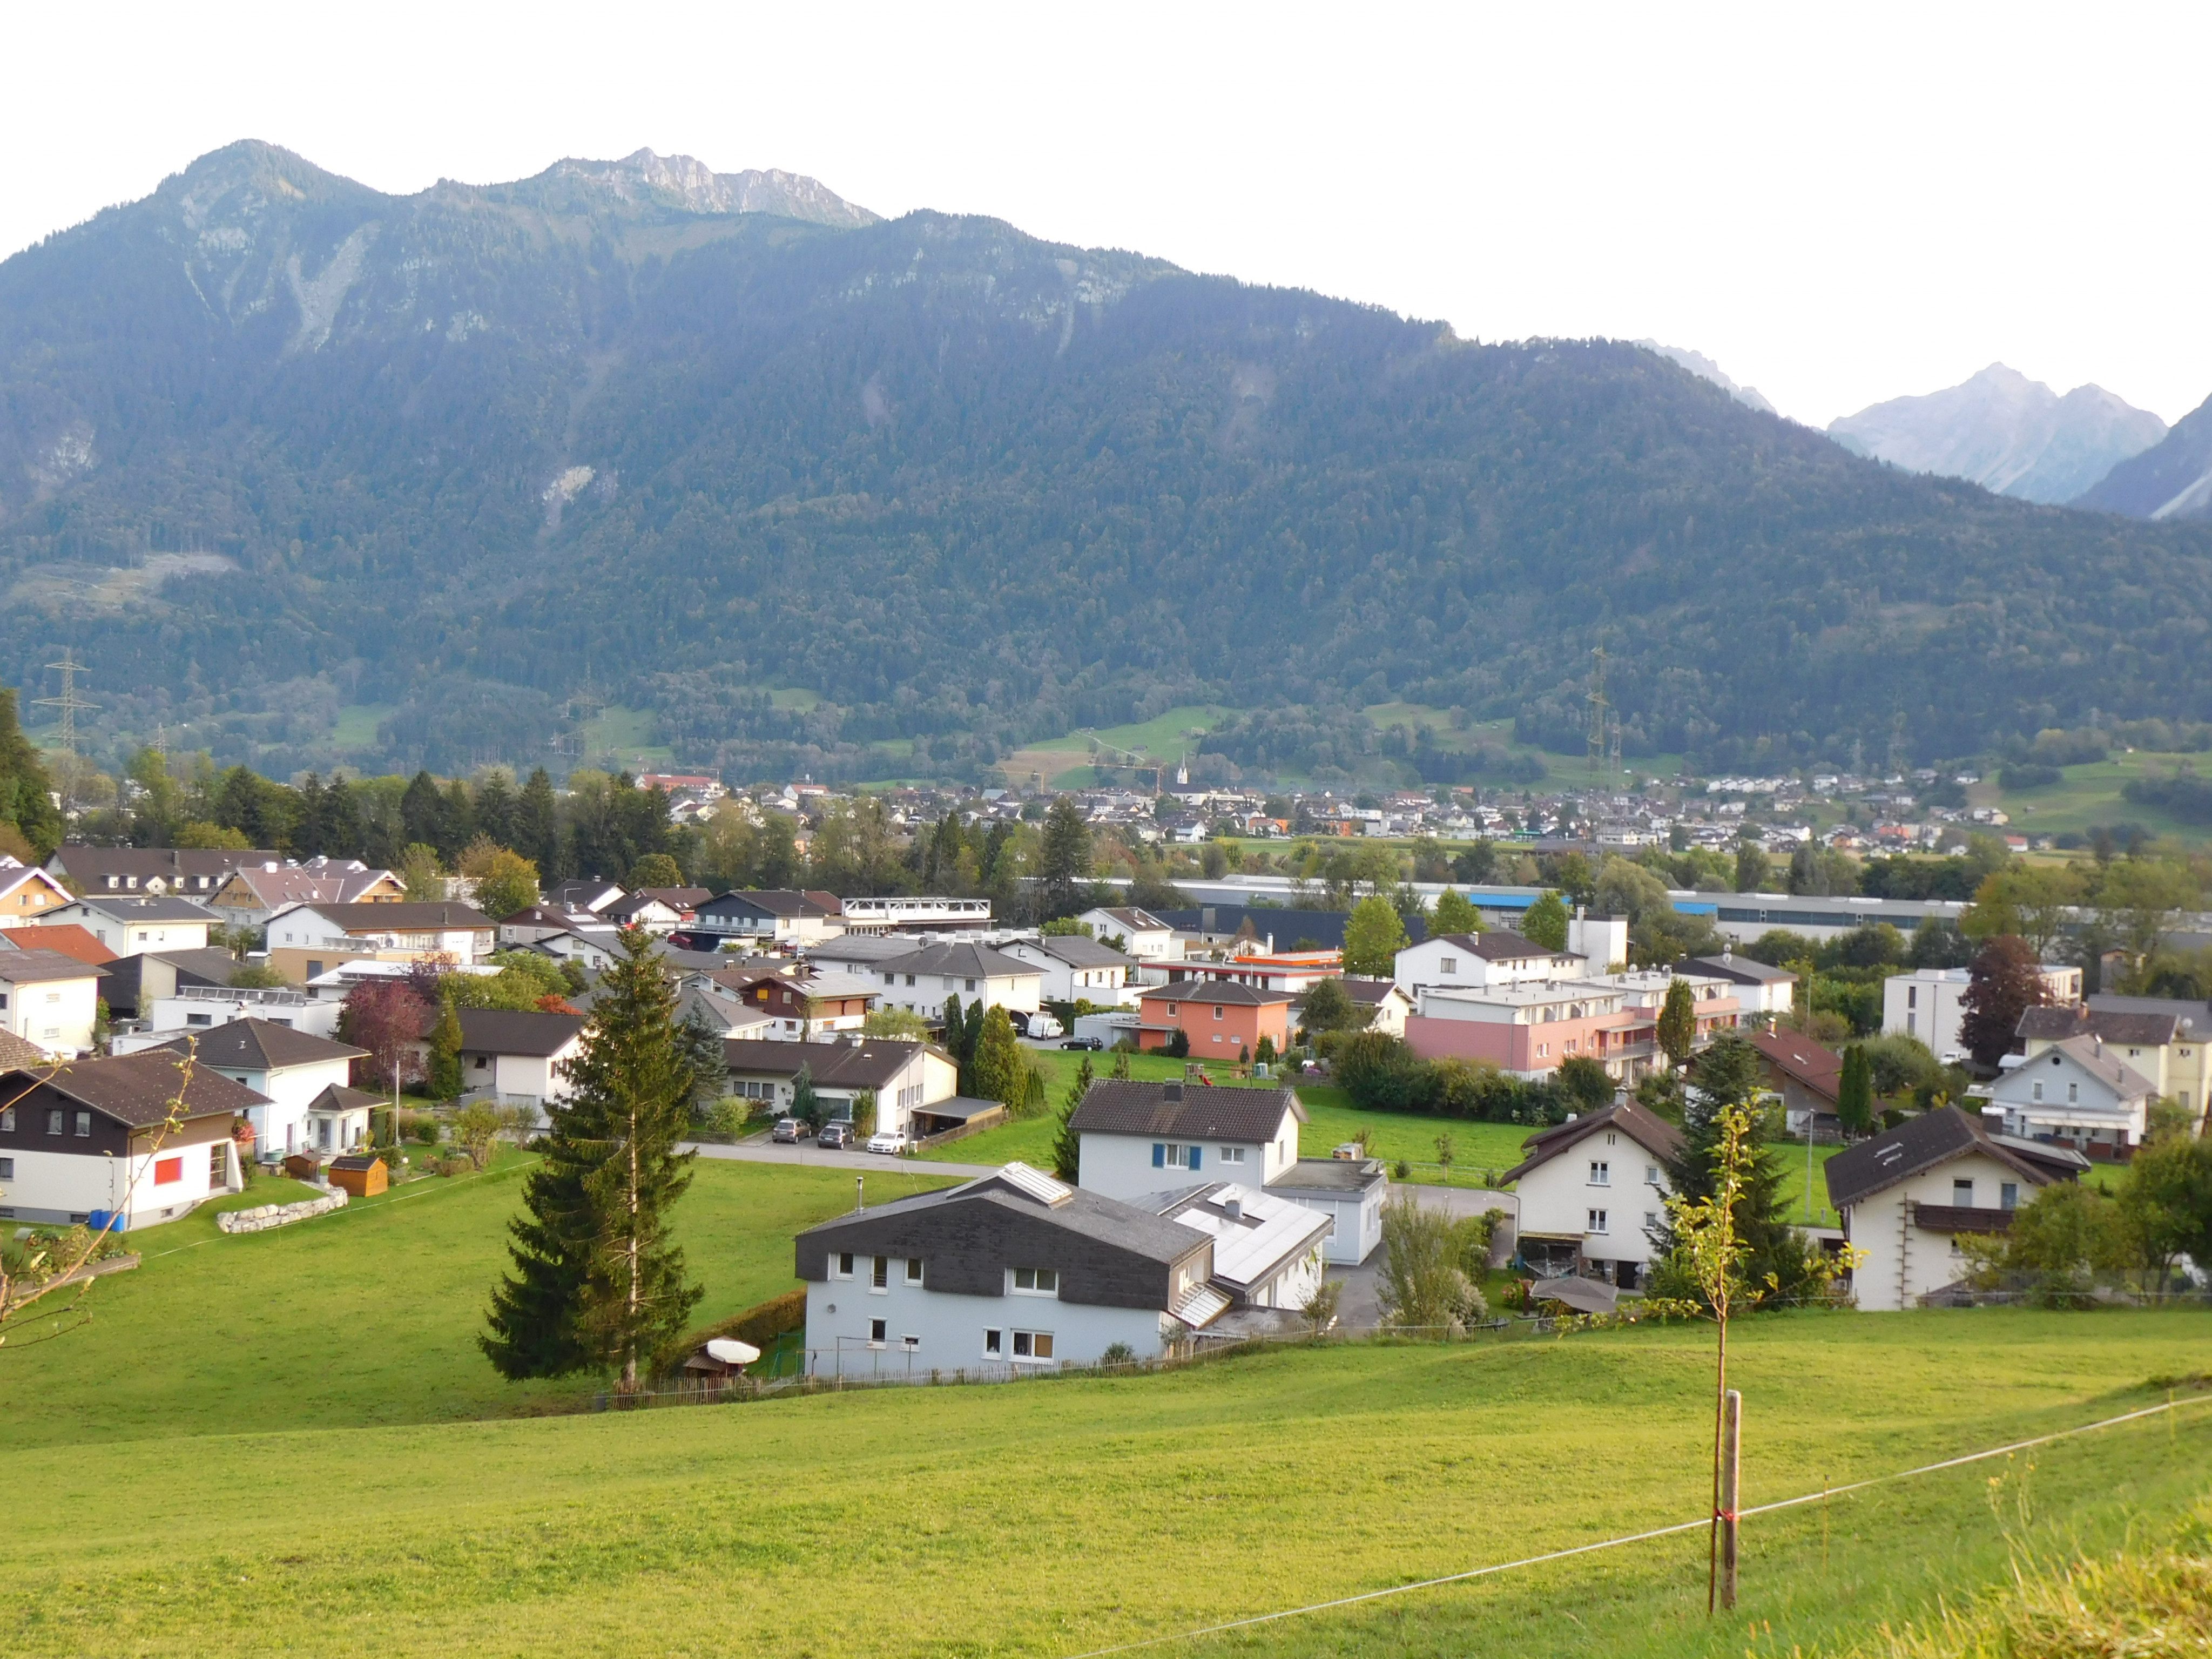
x=1361, y=1306
x=762, y=1151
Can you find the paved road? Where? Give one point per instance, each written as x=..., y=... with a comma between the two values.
x=752, y=1151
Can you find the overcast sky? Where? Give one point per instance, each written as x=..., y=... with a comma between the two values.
x=1838, y=205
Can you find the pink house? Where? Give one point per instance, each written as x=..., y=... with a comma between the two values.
x=1528, y=1029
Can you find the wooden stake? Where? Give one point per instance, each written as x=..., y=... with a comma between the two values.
x=1731, y=1473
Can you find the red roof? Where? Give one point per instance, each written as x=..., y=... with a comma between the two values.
x=65, y=936
x=1797, y=1056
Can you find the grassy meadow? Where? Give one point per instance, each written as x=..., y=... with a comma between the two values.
x=2087, y=795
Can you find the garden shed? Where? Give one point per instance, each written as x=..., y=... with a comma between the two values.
x=360, y=1177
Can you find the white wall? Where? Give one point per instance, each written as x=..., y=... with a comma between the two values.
x=1358, y=1222
x=132, y=939
x=54, y=1187
x=1022, y=993
x=1904, y=1262
x=169, y=1015
x=1120, y=1166
x=839, y=1312
x=280, y=1128
x=1923, y=1007
x=1557, y=1196
x=56, y=1014
x=1441, y=962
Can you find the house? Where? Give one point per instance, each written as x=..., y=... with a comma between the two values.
x=852, y=953
x=588, y=895
x=1350, y=1191
x=288, y=1068
x=1767, y=993
x=135, y=983
x=1294, y=972
x=1076, y=968
x=908, y=1079
x=924, y=979
x=773, y=917
x=337, y=1120
x=1221, y=1021
x=175, y=872
x=913, y=914
x=1141, y=934
x=1388, y=1004
x=1530, y=1028
x=803, y=1006
x=1268, y=1249
x=593, y=946
x=1592, y=1192
x=307, y=939
x=519, y=1059
x=1908, y=1195
x=684, y=900
x=49, y=999
x=132, y=926
x=1926, y=1003
x=656, y=916
x=28, y=893
x=2165, y=1041
x=66, y=936
x=2077, y=1092
x=1807, y=1075
x=204, y=1006
x=253, y=893
x=538, y=921
x=1012, y=1271
x=1482, y=962
x=91, y=1141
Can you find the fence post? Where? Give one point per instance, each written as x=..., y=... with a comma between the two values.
x=1731, y=1475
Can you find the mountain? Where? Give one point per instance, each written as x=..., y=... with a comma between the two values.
x=305, y=472
x=2006, y=433
x=1706, y=369
x=2171, y=480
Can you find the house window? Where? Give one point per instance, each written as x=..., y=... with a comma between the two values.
x=911, y=1342
x=84, y=1123
x=877, y=1327
x=913, y=1270
x=991, y=1345
x=844, y=1268
x=1170, y=1155
x=2009, y=1195
x=8, y=1119
x=1171, y=1010
x=1032, y=1345
x=199, y=1019
x=1650, y=1219
x=968, y=985
x=1597, y=1222
x=7, y=1168
x=2036, y=1093
x=166, y=1170
x=2073, y=1093
x=880, y=1278
x=910, y=979
x=1232, y=1154
x=1912, y=996
x=1447, y=964
x=1037, y=1281
x=1962, y=1195
x=1651, y=1174
x=1600, y=1173
x=53, y=1123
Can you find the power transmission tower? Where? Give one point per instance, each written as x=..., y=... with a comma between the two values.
x=1597, y=705
x=69, y=703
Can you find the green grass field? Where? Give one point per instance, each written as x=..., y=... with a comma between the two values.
x=1059, y=1516
x=2087, y=795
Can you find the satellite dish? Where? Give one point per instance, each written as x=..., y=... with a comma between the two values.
x=732, y=1352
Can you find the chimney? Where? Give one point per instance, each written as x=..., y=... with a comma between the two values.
x=2097, y=1045
x=1171, y=1092
x=1233, y=1208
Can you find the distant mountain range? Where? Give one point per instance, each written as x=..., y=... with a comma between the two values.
x=2006, y=433
x=1706, y=369
x=2172, y=481
x=307, y=472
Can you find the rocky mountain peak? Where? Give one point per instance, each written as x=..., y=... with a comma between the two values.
x=687, y=182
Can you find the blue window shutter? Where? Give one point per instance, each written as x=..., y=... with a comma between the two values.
x=1194, y=1157
x=1159, y=1155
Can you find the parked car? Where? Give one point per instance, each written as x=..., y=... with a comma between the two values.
x=835, y=1133
x=788, y=1131
x=1044, y=1027
x=1090, y=1042
x=886, y=1140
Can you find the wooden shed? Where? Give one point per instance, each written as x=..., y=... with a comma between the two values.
x=304, y=1166
x=362, y=1177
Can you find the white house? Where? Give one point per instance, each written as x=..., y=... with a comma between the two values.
x=1591, y=1191
x=924, y=979
x=1077, y=968
x=1482, y=962
x=337, y=1120
x=1012, y=1271
x=1143, y=935
x=1389, y=1005
x=411, y=928
x=2079, y=1092
x=1268, y=1249
x=1765, y=993
x=519, y=1058
x=768, y=917
x=202, y=1007
x=1909, y=1194
x=90, y=1142
x=49, y=999
x=1925, y=1003
x=916, y=1084
x=287, y=1067
x=132, y=926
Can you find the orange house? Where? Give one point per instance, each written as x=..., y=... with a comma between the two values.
x=1220, y=1020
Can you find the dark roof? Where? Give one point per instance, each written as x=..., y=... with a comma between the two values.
x=336, y=1097
x=1329, y=1175
x=959, y=1108
x=1742, y=970
x=357, y=1161
x=258, y=1044
x=869, y=1064
x=680, y=898
x=2056, y=1024
x=403, y=917
x=1795, y=1055
x=1919, y=1143
x=509, y=1032
x=1122, y=1106
x=1367, y=992
x=135, y=1089
x=1134, y=918
x=1087, y=1214
x=765, y=901
x=541, y=915
x=206, y=965
x=18, y=1052
x=29, y=967
x=1650, y=1131
x=631, y=904
x=1222, y=991
x=1078, y=951
x=124, y=906
x=959, y=961
x=1500, y=944
x=1286, y=928
x=2191, y=1014
x=83, y=863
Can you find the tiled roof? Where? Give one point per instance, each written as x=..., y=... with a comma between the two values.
x=31, y=966
x=2056, y=1024
x=1652, y=1132
x=1919, y=1144
x=66, y=936
x=1122, y=1106
x=1820, y=1069
x=135, y=1089
x=258, y=1045
x=409, y=915
x=1221, y=990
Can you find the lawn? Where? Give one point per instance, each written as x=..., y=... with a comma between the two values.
x=368, y=1314
x=2091, y=794
x=1055, y=1517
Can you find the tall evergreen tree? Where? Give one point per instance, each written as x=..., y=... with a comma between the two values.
x=538, y=826
x=1678, y=1022
x=458, y=824
x=496, y=808
x=997, y=1072
x=612, y=1274
x=1067, y=1145
x=1728, y=1073
x=313, y=830
x=1855, y=1091
x=422, y=812
x=26, y=791
x=341, y=836
x=1064, y=866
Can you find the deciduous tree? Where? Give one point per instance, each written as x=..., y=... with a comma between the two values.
x=1678, y=1022
x=2004, y=983
x=1545, y=922
x=1373, y=936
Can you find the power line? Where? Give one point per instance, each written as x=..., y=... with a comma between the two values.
x=69, y=703
x=1701, y=1522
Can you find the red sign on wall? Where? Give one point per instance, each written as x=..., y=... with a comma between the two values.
x=168, y=1169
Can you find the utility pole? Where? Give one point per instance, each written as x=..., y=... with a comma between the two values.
x=69, y=703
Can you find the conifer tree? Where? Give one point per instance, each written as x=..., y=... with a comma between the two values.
x=1728, y=1074
x=538, y=826
x=1067, y=1145
x=1855, y=1091
x=26, y=797
x=446, y=1053
x=600, y=1284
x=997, y=1072
x=1678, y=1022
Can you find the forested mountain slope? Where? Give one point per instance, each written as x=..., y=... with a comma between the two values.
x=271, y=442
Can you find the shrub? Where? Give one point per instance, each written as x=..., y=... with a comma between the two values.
x=760, y=1325
x=424, y=1128
x=1118, y=1353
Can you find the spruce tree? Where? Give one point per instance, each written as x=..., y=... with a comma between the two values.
x=1728, y=1073
x=600, y=1283
x=1854, y=1093
x=538, y=826
x=446, y=1053
x=1678, y=1022
x=997, y=1072
x=25, y=792
x=1067, y=1145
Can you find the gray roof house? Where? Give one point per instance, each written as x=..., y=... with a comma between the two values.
x=1012, y=1271
x=2079, y=1092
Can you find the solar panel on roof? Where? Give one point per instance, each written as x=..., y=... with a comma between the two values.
x=1036, y=1183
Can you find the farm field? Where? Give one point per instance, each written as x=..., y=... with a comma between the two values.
x=1059, y=1516
x=367, y=1316
x=2090, y=794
